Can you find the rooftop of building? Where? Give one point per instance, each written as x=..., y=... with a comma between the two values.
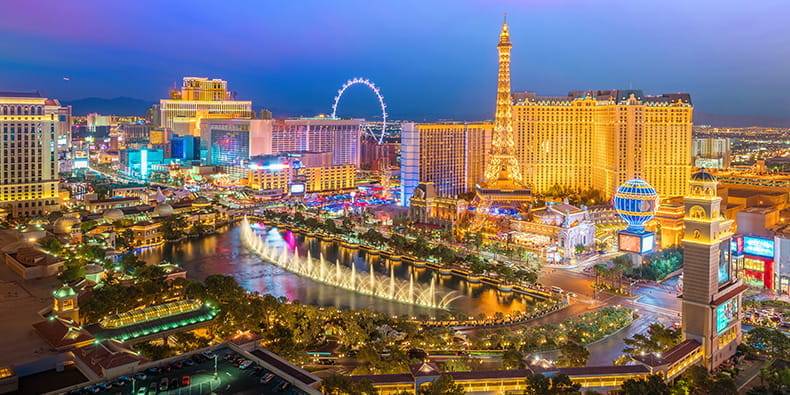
x=286, y=367
x=672, y=355
x=34, y=94
x=32, y=256
x=737, y=192
x=106, y=355
x=605, y=96
x=60, y=333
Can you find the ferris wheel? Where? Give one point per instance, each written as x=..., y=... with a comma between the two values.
x=377, y=91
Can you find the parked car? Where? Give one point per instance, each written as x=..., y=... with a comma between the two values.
x=152, y=388
x=208, y=354
x=118, y=383
x=152, y=370
x=140, y=376
x=185, y=381
x=94, y=389
x=177, y=365
x=245, y=364
x=267, y=378
x=142, y=391
x=326, y=361
x=284, y=386
x=174, y=383
x=163, y=384
x=189, y=362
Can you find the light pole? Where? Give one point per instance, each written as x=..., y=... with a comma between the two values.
x=216, y=376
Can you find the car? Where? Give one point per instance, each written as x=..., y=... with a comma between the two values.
x=104, y=385
x=163, y=384
x=556, y=289
x=267, y=378
x=152, y=370
x=94, y=388
x=177, y=365
x=198, y=358
x=326, y=361
x=174, y=383
x=118, y=383
x=125, y=378
x=208, y=354
x=245, y=364
x=185, y=381
x=152, y=388
x=142, y=391
x=284, y=386
x=140, y=376
x=189, y=362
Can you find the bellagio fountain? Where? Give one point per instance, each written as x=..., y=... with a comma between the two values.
x=338, y=275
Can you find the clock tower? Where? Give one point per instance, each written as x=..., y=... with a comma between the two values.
x=711, y=293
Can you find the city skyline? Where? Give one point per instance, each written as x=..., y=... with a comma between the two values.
x=295, y=67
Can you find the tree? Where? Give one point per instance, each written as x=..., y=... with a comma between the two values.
x=561, y=384
x=723, y=384
x=444, y=385
x=456, y=365
x=512, y=359
x=652, y=385
x=124, y=239
x=573, y=355
x=579, y=248
x=130, y=263
x=771, y=341
x=657, y=339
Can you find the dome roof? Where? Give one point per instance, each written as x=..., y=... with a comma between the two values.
x=93, y=269
x=65, y=223
x=63, y=291
x=201, y=201
x=703, y=176
x=113, y=214
x=163, y=210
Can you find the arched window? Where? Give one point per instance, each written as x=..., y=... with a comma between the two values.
x=697, y=212
x=697, y=235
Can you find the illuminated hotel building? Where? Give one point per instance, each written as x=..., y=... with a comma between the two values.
x=329, y=179
x=601, y=139
x=452, y=156
x=711, y=301
x=29, y=181
x=200, y=98
x=712, y=153
x=341, y=137
x=231, y=142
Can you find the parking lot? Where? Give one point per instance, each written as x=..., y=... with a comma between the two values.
x=230, y=379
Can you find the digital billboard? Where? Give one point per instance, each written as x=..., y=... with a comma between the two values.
x=725, y=313
x=724, y=264
x=639, y=243
x=648, y=243
x=758, y=247
x=630, y=243
x=297, y=189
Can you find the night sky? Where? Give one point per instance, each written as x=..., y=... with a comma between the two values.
x=431, y=58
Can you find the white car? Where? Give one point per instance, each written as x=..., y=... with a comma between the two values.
x=245, y=364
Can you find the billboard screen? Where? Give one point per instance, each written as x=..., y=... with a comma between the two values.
x=725, y=313
x=647, y=243
x=758, y=247
x=630, y=243
x=297, y=189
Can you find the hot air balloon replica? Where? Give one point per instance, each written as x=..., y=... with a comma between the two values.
x=636, y=202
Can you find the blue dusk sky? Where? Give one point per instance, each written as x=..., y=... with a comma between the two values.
x=431, y=58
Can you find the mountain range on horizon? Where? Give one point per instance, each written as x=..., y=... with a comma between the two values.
x=138, y=107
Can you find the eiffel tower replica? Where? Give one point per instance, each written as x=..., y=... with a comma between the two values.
x=503, y=193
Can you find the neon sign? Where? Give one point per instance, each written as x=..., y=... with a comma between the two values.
x=758, y=247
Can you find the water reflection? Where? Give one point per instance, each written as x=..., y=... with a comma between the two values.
x=224, y=253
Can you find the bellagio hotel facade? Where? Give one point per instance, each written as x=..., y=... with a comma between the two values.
x=600, y=139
